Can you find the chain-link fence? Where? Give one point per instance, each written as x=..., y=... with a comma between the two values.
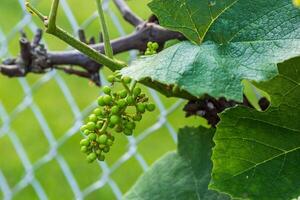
x=13, y=139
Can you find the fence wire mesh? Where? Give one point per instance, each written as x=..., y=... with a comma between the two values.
x=28, y=101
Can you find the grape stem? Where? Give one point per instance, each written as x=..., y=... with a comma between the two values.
x=53, y=29
x=107, y=46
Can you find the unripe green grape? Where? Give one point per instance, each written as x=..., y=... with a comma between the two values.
x=101, y=157
x=107, y=99
x=86, y=132
x=91, y=126
x=123, y=94
x=137, y=117
x=83, y=128
x=106, y=149
x=127, y=132
x=130, y=125
x=126, y=79
x=154, y=52
x=102, y=146
x=92, y=137
x=129, y=100
x=121, y=103
x=83, y=149
x=98, y=151
x=106, y=90
x=111, y=125
x=111, y=78
x=109, y=142
x=114, y=119
x=147, y=53
x=102, y=139
x=137, y=91
x=150, y=107
x=84, y=142
x=98, y=111
x=149, y=45
x=91, y=157
x=154, y=45
x=119, y=129
x=112, y=137
x=101, y=101
x=141, y=108
x=115, y=110
x=93, y=118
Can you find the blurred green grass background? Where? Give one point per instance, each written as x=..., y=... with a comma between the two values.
x=60, y=118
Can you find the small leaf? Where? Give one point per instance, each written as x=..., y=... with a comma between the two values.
x=257, y=154
x=180, y=175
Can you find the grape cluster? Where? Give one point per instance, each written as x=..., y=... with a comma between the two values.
x=117, y=112
x=151, y=48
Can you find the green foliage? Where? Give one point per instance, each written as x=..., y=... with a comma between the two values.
x=113, y=114
x=245, y=41
x=180, y=175
x=257, y=154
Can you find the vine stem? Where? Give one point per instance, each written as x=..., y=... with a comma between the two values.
x=52, y=29
x=107, y=46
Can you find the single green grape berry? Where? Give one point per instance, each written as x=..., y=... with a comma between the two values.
x=92, y=137
x=111, y=125
x=106, y=149
x=127, y=132
x=107, y=99
x=111, y=78
x=141, y=108
x=154, y=45
x=123, y=94
x=102, y=139
x=121, y=103
x=93, y=118
x=150, y=107
x=86, y=132
x=115, y=110
x=101, y=157
x=84, y=142
x=119, y=129
x=98, y=111
x=109, y=142
x=112, y=137
x=91, y=126
x=137, y=117
x=114, y=119
x=126, y=79
x=130, y=125
x=91, y=157
x=154, y=52
x=83, y=149
x=149, y=44
x=106, y=90
x=102, y=146
x=137, y=91
x=148, y=53
x=98, y=151
x=130, y=100
x=83, y=128
x=101, y=101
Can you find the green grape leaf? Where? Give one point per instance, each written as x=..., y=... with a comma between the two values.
x=180, y=175
x=247, y=41
x=257, y=154
x=193, y=18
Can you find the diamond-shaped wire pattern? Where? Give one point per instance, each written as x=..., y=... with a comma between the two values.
x=28, y=103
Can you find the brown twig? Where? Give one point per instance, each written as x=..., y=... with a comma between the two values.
x=128, y=15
